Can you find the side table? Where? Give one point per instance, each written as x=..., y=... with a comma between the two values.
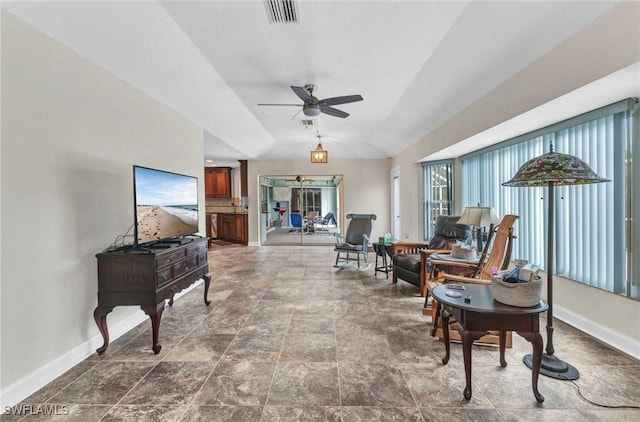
x=383, y=250
x=482, y=313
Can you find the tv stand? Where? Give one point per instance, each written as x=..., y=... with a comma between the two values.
x=148, y=279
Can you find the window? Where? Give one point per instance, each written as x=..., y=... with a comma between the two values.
x=307, y=200
x=594, y=228
x=438, y=188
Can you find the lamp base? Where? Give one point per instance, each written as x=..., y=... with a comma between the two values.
x=553, y=367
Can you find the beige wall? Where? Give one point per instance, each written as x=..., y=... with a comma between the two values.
x=366, y=187
x=607, y=45
x=70, y=134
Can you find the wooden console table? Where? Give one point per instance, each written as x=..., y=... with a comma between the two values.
x=483, y=313
x=147, y=276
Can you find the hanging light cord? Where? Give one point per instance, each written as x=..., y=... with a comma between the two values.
x=623, y=406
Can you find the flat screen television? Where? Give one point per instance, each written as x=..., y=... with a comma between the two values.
x=166, y=205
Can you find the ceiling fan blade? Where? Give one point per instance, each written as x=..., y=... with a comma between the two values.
x=287, y=105
x=301, y=93
x=334, y=112
x=340, y=100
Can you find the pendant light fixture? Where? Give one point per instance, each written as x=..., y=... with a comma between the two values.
x=319, y=155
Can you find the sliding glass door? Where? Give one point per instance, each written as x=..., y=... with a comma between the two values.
x=299, y=209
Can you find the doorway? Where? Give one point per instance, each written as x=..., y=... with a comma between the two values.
x=300, y=209
x=396, y=226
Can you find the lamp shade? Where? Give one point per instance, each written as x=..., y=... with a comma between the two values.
x=561, y=169
x=478, y=217
x=319, y=155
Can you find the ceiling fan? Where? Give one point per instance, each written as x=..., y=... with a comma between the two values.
x=300, y=179
x=312, y=106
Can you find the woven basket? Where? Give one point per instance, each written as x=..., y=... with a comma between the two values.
x=523, y=295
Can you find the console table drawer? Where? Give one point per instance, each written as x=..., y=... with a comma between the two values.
x=184, y=266
x=202, y=256
x=164, y=276
x=196, y=249
x=169, y=258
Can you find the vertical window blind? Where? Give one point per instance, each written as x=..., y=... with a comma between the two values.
x=592, y=221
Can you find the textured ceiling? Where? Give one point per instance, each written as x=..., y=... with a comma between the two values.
x=415, y=63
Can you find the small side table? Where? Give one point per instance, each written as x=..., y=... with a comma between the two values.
x=482, y=313
x=383, y=250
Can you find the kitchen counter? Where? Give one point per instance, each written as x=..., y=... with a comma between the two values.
x=232, y=227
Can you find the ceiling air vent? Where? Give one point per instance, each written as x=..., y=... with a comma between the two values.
x=307, y=122
x=281, y=11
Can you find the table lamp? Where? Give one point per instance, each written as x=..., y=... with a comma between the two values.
x=478, y=217
x=550, y=170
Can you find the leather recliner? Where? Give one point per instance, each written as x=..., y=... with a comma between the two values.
x=406, y=255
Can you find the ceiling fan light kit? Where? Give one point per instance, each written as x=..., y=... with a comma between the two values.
x=311, y=110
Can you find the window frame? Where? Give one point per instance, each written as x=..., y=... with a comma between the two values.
x=445, y=205
x=620, y=119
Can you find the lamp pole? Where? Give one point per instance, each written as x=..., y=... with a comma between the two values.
x=550, y=241
x=551, y=366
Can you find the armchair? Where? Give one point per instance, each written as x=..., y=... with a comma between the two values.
x=325, y=222
x=356, y=241
x=298, y=222
x=496, y=253
x=407, y=262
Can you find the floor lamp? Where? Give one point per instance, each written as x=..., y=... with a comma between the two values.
x=550, y=170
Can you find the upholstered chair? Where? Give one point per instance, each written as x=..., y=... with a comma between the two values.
x=407, y=264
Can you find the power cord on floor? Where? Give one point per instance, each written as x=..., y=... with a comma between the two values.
x=597, y=404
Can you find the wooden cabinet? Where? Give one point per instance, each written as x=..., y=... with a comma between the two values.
x=147, y=276
x=233, y=228
x=244, y=174
x=217, y=182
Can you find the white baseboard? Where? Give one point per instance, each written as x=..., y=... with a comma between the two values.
x=614, y=339
x=23, y=388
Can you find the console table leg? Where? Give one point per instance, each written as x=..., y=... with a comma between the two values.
x=207, y=282
x=100, y=316
x=155, y=313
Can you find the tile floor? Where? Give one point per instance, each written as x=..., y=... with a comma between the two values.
x=289, y=338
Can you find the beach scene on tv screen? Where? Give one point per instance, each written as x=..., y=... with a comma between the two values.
x=166, y=204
